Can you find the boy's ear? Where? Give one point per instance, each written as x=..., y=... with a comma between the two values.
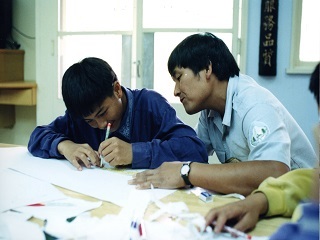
x=117, y=89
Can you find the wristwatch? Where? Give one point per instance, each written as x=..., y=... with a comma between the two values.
x=184, y=172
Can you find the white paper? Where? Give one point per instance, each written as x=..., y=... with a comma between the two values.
x=18, y=190
x=18, y=229
x=99, y=183
x=62, y=209
x=14, y=226
x=9, y=155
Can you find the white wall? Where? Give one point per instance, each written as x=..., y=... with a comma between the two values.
x=24, y=20
x=292, y=90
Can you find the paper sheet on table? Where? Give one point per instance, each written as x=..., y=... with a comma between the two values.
x=62, y=209
x=15, y=226
x=9, y=155
x=99, y=183
x=18, y=190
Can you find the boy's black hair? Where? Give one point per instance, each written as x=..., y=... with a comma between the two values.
x=314, y=82
x=86, y=84
x=198, y=51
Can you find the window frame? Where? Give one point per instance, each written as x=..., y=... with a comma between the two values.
x=239, y=41
x=47, y=58
x=137, y=53
x=296, y=66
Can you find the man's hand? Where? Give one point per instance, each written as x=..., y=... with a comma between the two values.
x=165, y=176
x=77, y=153
x=116, y=152
x=245, y=212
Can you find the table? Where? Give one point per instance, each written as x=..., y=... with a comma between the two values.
x=264, y=227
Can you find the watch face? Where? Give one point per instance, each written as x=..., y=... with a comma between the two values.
x=185, y=169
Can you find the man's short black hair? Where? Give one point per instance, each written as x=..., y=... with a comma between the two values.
x=197, y=51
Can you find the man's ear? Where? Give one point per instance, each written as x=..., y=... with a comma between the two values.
x=117, y=89
x=208, y=71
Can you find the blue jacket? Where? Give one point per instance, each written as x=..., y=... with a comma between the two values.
x=149, y=123
x=306, y=228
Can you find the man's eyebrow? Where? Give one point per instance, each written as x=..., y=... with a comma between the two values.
x=174, y=73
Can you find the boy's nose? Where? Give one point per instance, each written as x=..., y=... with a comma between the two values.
x=102, y=124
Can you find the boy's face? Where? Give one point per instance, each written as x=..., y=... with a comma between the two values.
x=110, y=111
x=192, y=89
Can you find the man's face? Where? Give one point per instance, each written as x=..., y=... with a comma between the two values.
x=191, y=89
x=110, y=111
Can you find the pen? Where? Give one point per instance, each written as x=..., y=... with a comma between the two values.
x=142, y=230
x=107, y=136
x=51, y=204
x=134, y=231
x=234, y=231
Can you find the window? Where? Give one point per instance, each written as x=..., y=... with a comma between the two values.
x=305, y=47
x=137, y=37
x=88, y=29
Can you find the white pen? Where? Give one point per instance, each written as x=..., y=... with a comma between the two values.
x=107, y=136
x=234, y=231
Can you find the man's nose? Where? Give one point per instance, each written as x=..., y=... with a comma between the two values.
x=176, y=90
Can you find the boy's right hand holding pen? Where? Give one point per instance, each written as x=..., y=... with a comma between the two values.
x=102, y=161
x=115, y=151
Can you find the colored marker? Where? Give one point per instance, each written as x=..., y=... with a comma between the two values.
x=107, y=136
x=142, y=230
x=51, y=204
x=134, y=231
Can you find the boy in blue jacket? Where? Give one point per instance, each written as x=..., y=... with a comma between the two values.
x=145, y=131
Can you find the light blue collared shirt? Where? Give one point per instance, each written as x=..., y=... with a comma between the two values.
x=255, y=126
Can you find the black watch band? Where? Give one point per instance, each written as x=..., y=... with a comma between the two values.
x=184, y=172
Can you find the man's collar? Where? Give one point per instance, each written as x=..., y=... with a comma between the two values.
x=232, y=85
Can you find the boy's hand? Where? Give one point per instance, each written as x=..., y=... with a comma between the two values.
x=77, y=153
x=116, y=152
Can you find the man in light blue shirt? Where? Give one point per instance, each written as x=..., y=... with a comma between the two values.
x=254, y=120
x=252, y=133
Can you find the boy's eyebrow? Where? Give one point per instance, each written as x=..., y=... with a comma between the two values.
x=100, y=110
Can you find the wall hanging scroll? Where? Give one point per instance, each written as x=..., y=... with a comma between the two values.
x=268, y=38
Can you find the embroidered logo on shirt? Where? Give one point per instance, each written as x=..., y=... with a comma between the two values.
x=259, y=132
